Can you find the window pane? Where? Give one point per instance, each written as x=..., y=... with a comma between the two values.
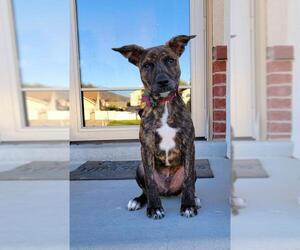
x=104, y=24
x=111, y=108
x=47, y=108
x=42, y=29
x=117, y=108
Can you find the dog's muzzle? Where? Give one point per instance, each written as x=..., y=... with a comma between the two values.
x=163, y=86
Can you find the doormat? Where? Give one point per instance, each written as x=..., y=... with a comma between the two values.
x=249, y=169
x=38, y=170
x=124, y=170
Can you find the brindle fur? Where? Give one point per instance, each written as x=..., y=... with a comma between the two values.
x=153, y=176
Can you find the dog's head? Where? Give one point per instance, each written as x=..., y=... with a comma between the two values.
x=159, y=66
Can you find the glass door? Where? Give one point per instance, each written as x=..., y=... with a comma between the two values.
x=106, y=89
x=35, y=56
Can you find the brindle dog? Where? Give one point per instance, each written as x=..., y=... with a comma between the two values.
x=166, y=131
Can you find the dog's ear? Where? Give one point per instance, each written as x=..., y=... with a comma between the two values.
x=178, y=43
x=132, y=52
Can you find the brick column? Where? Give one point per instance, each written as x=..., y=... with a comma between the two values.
x=219, y=92
x=279, y=92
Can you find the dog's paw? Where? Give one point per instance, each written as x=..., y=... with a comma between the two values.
x=134, y=204
x=155, y=213
x=198, y=202
x=239, y=202
x=188, y=211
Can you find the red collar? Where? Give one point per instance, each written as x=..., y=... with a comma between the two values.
x=150, y=102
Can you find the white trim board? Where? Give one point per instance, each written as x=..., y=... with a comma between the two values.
x=241, y=69
x=295, y=7
x=262, y=149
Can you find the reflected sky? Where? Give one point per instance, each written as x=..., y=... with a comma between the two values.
x=105, y=24
x=43, y=38
x=43, y=29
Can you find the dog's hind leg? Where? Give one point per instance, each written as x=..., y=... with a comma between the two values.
x=140, y=201
x=197, y=200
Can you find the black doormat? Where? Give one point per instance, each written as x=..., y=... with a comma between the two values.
x=37, y=170
x=124, y=170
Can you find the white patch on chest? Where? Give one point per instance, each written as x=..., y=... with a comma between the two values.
x=167, y=135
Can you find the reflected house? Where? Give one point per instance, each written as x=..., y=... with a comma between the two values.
x=103, y=107
x=186, y=95
x=110, y=108
x=47, y=108
x=135, y=97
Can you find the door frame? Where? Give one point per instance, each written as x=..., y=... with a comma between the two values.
x=198, y=75
x=258, y=70
x=260, y=61
x=12, y=108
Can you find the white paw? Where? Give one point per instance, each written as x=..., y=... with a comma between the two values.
x=155, y=213
x=239, y=202
x=133, y=205
x=198, y=202
x=189, y=212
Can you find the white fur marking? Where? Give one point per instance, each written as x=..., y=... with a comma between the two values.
x=133, y=205
x=239, y=202
x=188, y=213
x=198, y=202
x=158, y=213
x=164, y=94
x=167, y=135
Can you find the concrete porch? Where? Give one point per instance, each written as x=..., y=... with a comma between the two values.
x=271, y=219
x=93, y=214
x=99, y=218
x=113, y=227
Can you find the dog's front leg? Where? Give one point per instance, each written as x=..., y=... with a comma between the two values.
x=188, y=204
x=154, y=207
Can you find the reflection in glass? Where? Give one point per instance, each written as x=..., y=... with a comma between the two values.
x=111, y=108
x=42, y=29
x=105, y=24
x=117, y=108
x=47, y=108
x=186, y=97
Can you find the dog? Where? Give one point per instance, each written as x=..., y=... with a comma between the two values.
x=166, y=130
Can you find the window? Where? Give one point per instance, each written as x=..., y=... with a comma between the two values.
x=34, y=65
x=106, y=88
x=111, y=87
x=43, y=53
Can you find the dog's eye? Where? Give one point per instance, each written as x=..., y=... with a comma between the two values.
x=170, y=60
x=147, y=65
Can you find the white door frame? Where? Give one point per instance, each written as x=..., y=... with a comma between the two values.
x=243, y=103
x=198, y=79
x=12, y=124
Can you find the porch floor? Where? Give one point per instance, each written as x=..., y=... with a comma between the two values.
x=271, y=220
x=99, y=218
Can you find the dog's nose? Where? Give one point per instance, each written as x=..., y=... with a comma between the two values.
x=163, y=81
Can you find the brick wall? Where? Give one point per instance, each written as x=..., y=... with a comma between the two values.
x=219, y=92
x=279, y=92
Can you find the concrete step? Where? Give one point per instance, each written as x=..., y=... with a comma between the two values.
x=50, y=151
x=262, y=149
